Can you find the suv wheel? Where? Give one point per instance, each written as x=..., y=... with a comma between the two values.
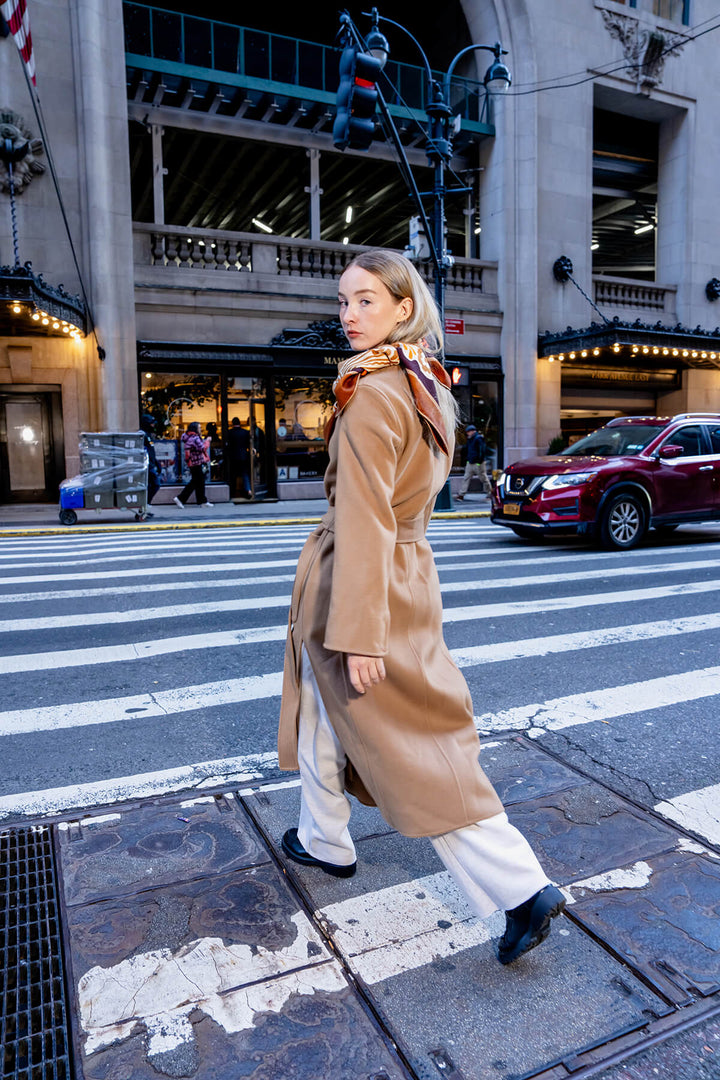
x=623, y=523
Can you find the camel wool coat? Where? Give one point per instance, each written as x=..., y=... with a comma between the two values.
x=366, y=583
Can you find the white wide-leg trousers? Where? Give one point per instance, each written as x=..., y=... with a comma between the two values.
x=491, y=862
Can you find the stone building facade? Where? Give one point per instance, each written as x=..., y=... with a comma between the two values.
x=167, y=152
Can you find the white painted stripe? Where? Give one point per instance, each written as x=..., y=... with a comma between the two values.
x=606, y=704
x=697, y=811
x=139, y=650
x=502, y=651
x=470, y=656
x=148, y=571
x=134, y=590
x=567, y=603
x=636, y=876
x=141, y=706
x=490, y=563
x=448, y=587
x=177, y=611
x=204, y=774
x=392, y=930
x=450, y=615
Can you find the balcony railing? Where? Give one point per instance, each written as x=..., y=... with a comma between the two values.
x=214, y=46
x=214, y=250
x=629, y=294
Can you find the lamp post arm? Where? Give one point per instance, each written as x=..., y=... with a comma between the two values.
x=428, y=69
x=470, y=48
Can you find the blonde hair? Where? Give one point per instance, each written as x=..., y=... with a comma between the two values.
x=423, y=327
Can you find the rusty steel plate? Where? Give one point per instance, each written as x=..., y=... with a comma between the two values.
x=520, y=771
x=666, y=924
x=117, y=854
x=587, y=830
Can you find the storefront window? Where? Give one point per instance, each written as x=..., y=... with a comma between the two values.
x=484, y=410
x=174, y=401
x=246, y=398
x=302, y=408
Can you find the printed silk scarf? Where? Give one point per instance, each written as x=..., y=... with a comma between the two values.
x=419, y=369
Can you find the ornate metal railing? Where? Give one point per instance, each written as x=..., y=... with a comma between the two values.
x=214, y=250
x=632, y=295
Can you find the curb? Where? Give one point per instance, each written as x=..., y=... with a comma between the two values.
x=185, y=525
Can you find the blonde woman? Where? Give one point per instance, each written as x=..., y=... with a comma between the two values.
x=373, y=704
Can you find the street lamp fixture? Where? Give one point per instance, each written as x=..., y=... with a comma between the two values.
x=442, y=125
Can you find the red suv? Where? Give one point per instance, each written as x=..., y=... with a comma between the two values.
x=638, y=472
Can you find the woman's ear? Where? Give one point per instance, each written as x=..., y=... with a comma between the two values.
x=405, y=308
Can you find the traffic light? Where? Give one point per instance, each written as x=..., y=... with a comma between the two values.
x=356, y=98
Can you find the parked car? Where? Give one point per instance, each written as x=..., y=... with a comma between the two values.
x=636, y=473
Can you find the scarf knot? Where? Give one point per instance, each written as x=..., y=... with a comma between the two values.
x=421, y=372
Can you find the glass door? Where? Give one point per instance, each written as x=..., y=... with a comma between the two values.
x=27, y=454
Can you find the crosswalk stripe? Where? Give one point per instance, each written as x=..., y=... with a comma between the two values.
x=204, y=774
x=698, y=811
x=470, y=656
x=448, y=587
x=140, y=706
x=569, y=603
x=450, y=615
x=139, y=650
x=605, y=704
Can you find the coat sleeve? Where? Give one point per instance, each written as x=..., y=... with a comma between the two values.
x=370, y=438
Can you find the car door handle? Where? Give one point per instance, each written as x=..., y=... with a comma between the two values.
x=706, y=468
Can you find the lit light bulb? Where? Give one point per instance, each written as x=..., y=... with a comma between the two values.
x=45, y=321
x=56, y=326
x=17, y=309
x=36, y=317
x=571, y=355
x=66, y=329
x=584, y=352
x=596, y=352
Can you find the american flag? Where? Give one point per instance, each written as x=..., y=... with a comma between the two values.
x=15, y=15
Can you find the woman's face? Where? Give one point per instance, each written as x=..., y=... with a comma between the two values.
x=368, y=311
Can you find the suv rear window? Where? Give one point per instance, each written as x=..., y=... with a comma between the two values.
x=615, y=441
x=714, y=433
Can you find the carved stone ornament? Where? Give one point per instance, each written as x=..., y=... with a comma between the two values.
x=21, y=148
x=323, y=334
x=647, y=48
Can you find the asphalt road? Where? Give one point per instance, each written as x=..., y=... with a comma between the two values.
x=146, y=661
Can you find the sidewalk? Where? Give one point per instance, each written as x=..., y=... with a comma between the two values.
x=43, y=517
x=192, y=947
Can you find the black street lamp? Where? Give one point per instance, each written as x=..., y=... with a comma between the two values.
x=441, y=129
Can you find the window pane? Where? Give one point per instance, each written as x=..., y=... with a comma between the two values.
x=302, y=408
x=174, y=401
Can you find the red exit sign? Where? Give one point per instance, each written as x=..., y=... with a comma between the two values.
x=454, y=326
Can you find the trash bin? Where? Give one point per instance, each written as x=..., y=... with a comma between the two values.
x=444, y=497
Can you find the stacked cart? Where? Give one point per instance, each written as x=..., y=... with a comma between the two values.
x=113, y=475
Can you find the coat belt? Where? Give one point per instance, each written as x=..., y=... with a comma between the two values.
x=409, y=530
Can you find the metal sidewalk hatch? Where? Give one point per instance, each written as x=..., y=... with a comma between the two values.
x=33, y=1010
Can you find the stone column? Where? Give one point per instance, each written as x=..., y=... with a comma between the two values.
x=99, y=67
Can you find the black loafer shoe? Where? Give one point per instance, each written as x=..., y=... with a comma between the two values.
x=529, y=923
x=294, y=850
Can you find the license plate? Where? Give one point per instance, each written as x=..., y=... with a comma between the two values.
x=511, y=509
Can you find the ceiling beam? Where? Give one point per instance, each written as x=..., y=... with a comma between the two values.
x=268, y=133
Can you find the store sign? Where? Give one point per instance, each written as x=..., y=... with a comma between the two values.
x=590, y=376
x=454, y=326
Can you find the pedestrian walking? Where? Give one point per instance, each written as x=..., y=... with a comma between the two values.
x=373, y=705
x=238, y=449
x=148, y=426
x=196, y=457
x=476, y=464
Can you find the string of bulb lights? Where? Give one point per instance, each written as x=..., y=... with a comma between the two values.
x=49, y=321
x=635, y=350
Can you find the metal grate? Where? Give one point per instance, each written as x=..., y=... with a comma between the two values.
x=33, y=1011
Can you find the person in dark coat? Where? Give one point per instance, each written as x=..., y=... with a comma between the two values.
x=238, y=446
x=147, y=424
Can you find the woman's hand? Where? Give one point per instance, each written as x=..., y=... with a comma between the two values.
x=365, y=671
